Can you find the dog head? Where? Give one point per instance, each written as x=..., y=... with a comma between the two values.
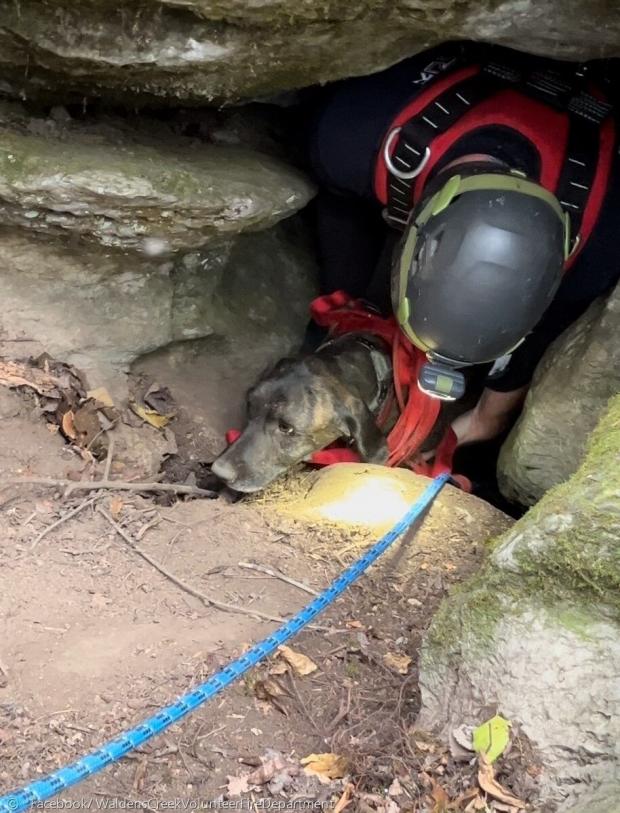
x=297, y=409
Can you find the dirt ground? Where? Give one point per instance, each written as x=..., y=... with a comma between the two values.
x=93, y=638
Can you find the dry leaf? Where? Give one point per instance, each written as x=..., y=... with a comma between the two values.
x=101, y=395
x=278, y=667
x=490, y=785
x=400, y=663
x=13, y=374
x=388, y=806
x=237, y=785
x=440, y=797
x=354, y=625
x=469, y=796
x=325, y=766
x=160, y=399
x=395, y=789
x=477, y=803
x=268, y=691
x=460, y=743
x=345, y=800
x=301, y=664
x=116, y=506
x=150, y=416
x=266, y=772
x=68, y=427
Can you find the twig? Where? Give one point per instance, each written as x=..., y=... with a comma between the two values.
x=4, y=674
x=201, y=737
x=93, y=440
x=111, y=485
x=147, y=527
x=304, y=708
x=220, y=605
x=343, y=712
x=277, y=575
x=108, y=460
x=64, y=518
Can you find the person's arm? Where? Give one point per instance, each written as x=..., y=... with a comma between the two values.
x=490, y=417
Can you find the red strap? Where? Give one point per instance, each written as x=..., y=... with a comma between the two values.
x=418, y=411
x=443, y=462
x=544, y=127
x=335, y=454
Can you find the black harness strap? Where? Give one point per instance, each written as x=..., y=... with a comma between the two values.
x=578, y=171
x=420, y=131
x=586, y=116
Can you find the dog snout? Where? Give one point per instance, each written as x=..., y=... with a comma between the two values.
x=224, y=470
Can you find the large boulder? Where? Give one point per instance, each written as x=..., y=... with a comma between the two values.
x=102, y=309
x=209, y=50
x=536, y=635
x=130, y=189
x=571, y=388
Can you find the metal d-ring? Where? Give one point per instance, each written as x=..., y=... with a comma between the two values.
x=404, y=176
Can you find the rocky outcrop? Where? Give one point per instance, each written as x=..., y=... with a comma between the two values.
x=130, y=190
x=572, y=385
x=101, y=309
x=210, y=51
x=535, y=635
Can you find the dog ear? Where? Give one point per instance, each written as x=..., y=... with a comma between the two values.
x=360, y=425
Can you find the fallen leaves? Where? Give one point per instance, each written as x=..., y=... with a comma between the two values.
x=237, y=785
x=397, y=661
x=345, y=800
x=101, y=396
x=274, y=772
x=156, y=407
x=326, y=767
x=61, y=395
x=269, y=691
x=300, y=664
x=116, y=506
x=440, y=798
x=15, y=374
x=490, y=785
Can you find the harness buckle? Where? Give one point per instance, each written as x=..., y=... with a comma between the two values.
x=574, y=247
x=398, y=173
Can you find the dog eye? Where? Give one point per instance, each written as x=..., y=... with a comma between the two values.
x=285, y=428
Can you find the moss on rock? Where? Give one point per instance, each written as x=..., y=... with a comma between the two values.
x=536, y=633
x=161, y=194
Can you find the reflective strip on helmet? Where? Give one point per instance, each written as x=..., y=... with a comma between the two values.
x=492, y=182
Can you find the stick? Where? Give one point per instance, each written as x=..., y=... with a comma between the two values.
x=108, y=460
x=277, y=575
x=64, y=518
x=220, y=605
x=111, y=485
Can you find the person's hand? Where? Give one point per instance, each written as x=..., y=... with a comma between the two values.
x=490, y=417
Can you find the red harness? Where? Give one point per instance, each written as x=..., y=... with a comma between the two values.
x=547, y=129
x=418, y=412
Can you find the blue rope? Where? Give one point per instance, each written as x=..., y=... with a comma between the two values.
x=53, y=783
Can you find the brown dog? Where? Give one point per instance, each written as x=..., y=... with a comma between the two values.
x=304, y=404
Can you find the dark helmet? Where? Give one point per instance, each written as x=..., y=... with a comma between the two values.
x=480, y=262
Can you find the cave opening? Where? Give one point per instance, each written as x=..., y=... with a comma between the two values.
x=168, y=212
